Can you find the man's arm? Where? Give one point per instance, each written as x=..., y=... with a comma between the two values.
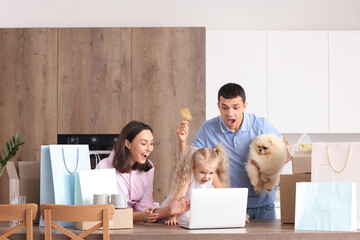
x=287, y=150
x=182, y=133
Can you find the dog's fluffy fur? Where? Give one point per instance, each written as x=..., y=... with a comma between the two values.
x=267, y=155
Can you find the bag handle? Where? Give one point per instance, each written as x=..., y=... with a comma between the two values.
x=347, y=160
x=97, y=157
x=77, y=161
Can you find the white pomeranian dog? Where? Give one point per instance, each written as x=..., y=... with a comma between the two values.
x=267, y=155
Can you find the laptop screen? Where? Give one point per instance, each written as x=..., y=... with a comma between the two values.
x=218, y=208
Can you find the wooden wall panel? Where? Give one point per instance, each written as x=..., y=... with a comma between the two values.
x=168, y=73
x=94, y=74
x=28, y=98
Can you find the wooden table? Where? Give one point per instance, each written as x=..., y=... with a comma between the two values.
x=256, y=229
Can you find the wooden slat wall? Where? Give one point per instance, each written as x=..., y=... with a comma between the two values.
x=168, y=73
x=94, y=80
x=28, y=85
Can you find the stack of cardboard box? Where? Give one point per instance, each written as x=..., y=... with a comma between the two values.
x=9, y=182
x=21, y=178
x=301, y=165
x=123, y=218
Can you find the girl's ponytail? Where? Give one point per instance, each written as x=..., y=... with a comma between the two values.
x=223, y=165
x=183, y=171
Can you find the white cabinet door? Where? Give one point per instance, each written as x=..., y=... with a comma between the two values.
x=298, y=81
x=239, y=57
x=344, y=80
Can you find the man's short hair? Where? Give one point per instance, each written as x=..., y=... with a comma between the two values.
x=231, y=90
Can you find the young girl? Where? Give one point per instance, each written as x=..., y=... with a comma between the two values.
x=202, y=168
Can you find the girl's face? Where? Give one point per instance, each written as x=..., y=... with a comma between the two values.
x=141, y=147
x=204, y=171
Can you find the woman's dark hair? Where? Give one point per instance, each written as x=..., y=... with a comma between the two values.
x=121, y=160
x=230, y=91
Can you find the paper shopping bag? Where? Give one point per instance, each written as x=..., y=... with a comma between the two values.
x=343, y=158
x=325, y=206
x=58, y=165
x=90, y=182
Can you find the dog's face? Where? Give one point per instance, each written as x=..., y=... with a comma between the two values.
x=263, y=145
x=262, y=150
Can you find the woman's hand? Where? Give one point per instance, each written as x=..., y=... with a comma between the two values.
x=149, y=216
x=172, y=221
x=179, y=206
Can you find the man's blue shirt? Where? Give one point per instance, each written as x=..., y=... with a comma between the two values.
x=214, y=131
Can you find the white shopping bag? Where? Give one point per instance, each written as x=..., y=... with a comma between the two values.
x=58, y=165
x=325, y=206
x=90, y=182
x=343, y=158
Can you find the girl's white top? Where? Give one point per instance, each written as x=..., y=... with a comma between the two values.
x=184, y=217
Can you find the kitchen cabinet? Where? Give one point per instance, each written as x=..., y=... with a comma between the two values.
x=168, y=73
x=301, y=81
x=239, y=57
x=28, y=91
x=344, y=81
x=94, y=80
x=298, y=86
x=284, y=74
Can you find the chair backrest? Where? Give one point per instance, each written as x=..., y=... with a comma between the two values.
x=19, y=212
x=77, y=213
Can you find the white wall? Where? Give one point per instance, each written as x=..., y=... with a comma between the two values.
x=213, y=14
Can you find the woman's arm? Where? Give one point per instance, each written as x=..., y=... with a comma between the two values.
x=176, y=207
x=147, y=216
x=178, y=204
x=138, y=216
x=145, y=188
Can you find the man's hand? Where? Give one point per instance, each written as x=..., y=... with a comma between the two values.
x=288, y=153
x=182, y=131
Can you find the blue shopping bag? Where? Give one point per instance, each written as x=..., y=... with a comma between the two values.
x=58, y=165
x=325, y=206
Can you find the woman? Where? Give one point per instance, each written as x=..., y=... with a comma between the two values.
x=135, y=173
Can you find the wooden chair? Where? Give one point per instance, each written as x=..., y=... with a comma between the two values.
x=77, y=213
x=19, y=212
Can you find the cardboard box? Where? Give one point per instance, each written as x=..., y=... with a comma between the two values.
x=29, y=174
x=287, y=195
x=123, y=218
x=9, y=182
x=29, y=169
x=301, y=162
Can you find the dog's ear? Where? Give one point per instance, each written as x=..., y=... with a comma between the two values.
x=271, y=141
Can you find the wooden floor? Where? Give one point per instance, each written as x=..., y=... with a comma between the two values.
x=256, y=229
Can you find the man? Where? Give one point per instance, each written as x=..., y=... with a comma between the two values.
x=235, y=129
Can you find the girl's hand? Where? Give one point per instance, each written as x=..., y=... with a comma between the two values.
x=182, y=131
x=179, y=206
x=149, y=216
x=172, y=221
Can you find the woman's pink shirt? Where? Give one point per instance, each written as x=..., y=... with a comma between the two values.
x=138, y=185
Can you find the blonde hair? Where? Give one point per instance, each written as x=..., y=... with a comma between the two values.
x=190, y=158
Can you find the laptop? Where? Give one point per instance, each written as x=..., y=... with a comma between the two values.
x=217, y=208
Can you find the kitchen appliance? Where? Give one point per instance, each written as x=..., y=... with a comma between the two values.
x=100, y=144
